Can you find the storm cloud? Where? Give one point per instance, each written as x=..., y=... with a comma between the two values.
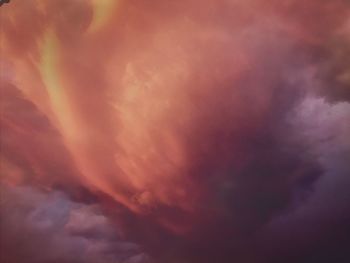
x=180, y=132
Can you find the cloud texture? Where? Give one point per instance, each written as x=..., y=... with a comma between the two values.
x=175, y=131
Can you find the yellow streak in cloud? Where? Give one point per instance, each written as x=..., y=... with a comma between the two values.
x=58, y=98
x=103, y=10
x=68, y=122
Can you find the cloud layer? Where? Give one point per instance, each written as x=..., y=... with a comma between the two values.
x=202, y=131
x=46, y=227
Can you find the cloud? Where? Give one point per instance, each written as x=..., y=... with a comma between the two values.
x=197, y=125
x=316, y=229
x=38, y=226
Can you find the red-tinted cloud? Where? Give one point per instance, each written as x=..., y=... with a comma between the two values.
x=181, y=118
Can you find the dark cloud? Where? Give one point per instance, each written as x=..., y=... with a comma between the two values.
x=317, y=229
x=37, y=226
x=4, y=2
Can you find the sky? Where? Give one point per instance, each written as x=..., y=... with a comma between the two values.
x=161, y=131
